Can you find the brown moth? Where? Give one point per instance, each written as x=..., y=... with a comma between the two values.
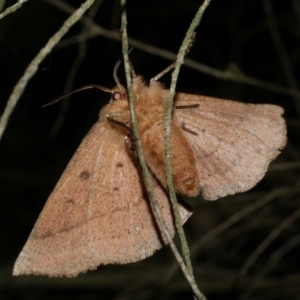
x=99, y=213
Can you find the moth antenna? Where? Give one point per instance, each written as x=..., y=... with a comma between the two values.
x=133, y=74
x=115, y=74
x=86, y=87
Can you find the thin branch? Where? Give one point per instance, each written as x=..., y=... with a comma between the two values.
x=12, y=8
x=144, y=168
x=229, y=74
x=168, y=154
x=33, y=66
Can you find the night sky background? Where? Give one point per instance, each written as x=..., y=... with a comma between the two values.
x=257, y=38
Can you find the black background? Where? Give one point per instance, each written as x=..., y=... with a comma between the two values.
x=233, y=35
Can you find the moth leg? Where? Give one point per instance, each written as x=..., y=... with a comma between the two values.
x=187, y=106
x=130, y=143
x=121, y=118
x=183, y=125
x=185, y=128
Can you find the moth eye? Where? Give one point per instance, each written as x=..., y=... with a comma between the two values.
x=116, y=96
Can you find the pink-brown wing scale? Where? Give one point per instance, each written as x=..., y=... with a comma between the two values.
x=233, y=142
x=97, y=214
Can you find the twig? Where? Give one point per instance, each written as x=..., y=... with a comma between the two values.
x=179, y=61
x=33, y=66
x=12, y=8
x=144, y=168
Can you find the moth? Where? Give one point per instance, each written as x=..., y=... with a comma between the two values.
x=99, y=213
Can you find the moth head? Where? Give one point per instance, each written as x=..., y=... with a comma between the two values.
x=118, y=93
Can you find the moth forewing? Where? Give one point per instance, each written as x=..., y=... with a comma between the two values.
x=98, y=212
x=234, y=142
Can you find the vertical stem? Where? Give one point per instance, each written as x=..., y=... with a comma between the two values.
x=179, y=61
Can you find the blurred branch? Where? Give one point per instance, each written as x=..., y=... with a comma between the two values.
x=209, y=236
x=189, y=37
x=33, y=66
x=282, y=53
x=274, y=259
x=296, y=5
x=73, y=72
x=268, y=240
x=2, y=4
x=230, y=74
x=284, y=166
x=12, y=8
x=214, y=280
